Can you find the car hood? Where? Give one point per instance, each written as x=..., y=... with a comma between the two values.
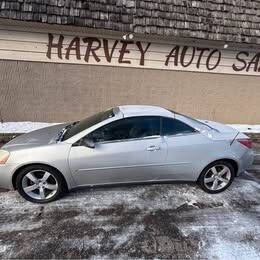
x=38, y=137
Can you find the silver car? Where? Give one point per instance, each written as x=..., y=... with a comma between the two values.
x=126, y=144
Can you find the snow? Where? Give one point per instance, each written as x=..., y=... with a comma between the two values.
x=232, y=250
x=3, y=248
x=22, y=127
x=132, y=221
x=246, y=128
x=27, y=126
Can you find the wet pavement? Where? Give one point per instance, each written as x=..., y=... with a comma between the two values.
x=177, y=221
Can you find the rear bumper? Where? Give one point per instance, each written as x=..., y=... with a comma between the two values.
x=246, y=162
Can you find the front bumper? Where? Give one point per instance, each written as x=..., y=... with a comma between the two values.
x=6, y=173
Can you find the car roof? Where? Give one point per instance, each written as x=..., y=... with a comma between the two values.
x=142, y=110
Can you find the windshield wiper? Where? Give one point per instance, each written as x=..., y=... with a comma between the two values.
x=64, y=130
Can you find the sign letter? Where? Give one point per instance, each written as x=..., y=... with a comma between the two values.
x=142, y=51
x=235, y=68
x=91, y=48
x=202, y=50
x=76, y=48
x=173, y=54
x=106, y=49
x=209, y=57
x=183, y=54
x=55, y=45
x=254, y=61
x=123, y=51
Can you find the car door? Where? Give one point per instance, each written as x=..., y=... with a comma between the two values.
x=126, y=150
x=183, y=143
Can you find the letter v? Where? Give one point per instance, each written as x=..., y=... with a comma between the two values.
x=106, y=49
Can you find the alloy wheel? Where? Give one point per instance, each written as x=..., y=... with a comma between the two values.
x=40, y=184
x=217, y=177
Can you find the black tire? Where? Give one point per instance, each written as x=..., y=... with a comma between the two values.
x=201, y=178
x=59, y=181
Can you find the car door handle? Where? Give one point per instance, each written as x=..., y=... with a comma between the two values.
x=153, y=148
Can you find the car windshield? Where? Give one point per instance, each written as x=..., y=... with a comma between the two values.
x=82, y=125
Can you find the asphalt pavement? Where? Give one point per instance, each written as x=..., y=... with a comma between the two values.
x=177, y=221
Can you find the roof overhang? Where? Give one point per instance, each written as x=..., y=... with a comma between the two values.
x=82, y=31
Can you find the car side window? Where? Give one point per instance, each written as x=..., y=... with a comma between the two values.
x=172, y=126
x=127, y=128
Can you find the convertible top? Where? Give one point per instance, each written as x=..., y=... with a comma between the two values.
x=139, y=110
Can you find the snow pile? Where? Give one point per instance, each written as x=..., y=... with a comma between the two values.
x=247, y=128
x=22, y=127
x=25, y=127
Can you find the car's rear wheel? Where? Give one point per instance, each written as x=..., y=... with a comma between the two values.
x=217, y=177
x=39, y=184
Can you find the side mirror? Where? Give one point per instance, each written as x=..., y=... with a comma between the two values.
x=88, y=143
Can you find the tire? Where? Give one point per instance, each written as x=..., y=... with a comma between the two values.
x=212, y=181
x=40, y=184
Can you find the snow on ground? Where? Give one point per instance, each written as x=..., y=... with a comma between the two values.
x=178, y=221
x=25, y=127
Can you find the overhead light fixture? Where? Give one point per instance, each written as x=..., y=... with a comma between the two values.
x=225, y=46
x=131, y=36
x=128, y=36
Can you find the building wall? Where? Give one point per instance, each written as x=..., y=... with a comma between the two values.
x=58, y=75
x=54, y=92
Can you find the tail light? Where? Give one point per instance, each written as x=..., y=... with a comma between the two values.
x=246, y=142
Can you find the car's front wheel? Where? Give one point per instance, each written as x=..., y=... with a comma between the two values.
x=217, y=177
x=39, y=184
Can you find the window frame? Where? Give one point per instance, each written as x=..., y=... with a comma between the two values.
x=130, y=139
x=195, y=131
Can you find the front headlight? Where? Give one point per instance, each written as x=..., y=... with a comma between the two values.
x=4, y=155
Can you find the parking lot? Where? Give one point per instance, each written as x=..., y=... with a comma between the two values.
x=154, y=221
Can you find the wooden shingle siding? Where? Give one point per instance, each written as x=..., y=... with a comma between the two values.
x=226, y=20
